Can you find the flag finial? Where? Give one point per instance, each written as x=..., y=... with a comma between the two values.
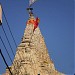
x=30, y=11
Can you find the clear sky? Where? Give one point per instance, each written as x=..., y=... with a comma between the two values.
x=56, y=25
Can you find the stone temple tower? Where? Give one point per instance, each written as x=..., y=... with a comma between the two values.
x=32, y=56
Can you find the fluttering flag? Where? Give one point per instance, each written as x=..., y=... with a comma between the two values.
x=31, y=2
x=34, y=22
x=0, y=14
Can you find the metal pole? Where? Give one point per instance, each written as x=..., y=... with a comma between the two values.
x=5, y=62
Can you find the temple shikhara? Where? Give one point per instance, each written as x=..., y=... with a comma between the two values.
x=32, y=56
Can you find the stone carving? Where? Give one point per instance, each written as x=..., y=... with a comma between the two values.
x=32, y=56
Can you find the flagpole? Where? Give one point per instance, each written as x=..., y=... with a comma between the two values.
x=29, y=9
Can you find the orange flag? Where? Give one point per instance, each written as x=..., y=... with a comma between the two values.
x=35, y=22
x=0, y=14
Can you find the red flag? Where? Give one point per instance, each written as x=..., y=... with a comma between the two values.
x=36, y=23
x=0, y=14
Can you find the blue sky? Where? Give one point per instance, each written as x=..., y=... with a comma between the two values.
x=56, y=25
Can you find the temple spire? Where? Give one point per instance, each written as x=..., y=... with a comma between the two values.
x=32, y=57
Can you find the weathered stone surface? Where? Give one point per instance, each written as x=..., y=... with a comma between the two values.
x=32, y=56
